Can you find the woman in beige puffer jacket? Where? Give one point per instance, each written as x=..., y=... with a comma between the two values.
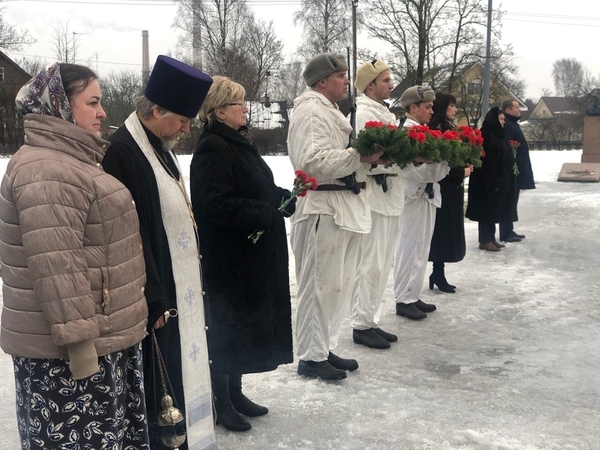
x=73, y=270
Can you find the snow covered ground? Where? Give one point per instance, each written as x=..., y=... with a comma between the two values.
x=508, y=362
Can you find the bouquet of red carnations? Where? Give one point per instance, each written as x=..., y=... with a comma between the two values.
x=302, y=184
x=403, y=145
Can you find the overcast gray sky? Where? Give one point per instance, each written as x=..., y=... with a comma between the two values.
x=540, y=31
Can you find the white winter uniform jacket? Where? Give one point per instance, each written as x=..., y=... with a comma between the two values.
x=388, y=203
x=318, y=145
x=416, y=227
x=416, y=178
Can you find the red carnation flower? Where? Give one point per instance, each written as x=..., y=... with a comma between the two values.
x=374, y=124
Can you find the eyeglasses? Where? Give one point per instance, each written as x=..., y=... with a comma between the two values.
x=240, y=104
x=374, y=62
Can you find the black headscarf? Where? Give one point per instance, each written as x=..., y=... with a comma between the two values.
x=492, y=125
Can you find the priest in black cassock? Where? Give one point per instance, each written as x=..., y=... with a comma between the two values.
x=141, y=157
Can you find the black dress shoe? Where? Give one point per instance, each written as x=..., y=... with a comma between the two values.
x=321, y=369
x=410, y=311
x=520, y=236
x=425, y=307
x=342, y=363
x=247, y=407
x=511, y=238
x=369, y=338
x=231, y=419
x=384, y=334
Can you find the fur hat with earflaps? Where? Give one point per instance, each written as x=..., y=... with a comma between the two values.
x=367, y=72
x=322, y=66
x=417, y=94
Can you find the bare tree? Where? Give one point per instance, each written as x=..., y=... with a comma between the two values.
x=466, y=18
x=217, y=27
x=411, y=27
x=432, y=39
x=31, y=65
x=289, y=83
x=568, y=75
x=265, y=53
x=66, y=43
x=118, y=91
x=11, y=37
x=326, y=26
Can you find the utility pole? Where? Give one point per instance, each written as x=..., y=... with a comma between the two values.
x=196, y=38
x=145, y=57
x=353, y=73
x=354, y=6
x=75, y=45
x=486, y=69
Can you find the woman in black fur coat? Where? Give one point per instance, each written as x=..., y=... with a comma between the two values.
x=493, y=186
x=247, y=284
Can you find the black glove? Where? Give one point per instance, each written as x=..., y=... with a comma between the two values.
x=291, y=206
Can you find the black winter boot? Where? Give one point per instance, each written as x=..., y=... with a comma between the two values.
x=226, y=413
x=438, y=277
x=320, y=369
x=342, y=363
x=425, y=307
x=387, y=336
x=240, y=402
x=410, y=311
x=369, y=338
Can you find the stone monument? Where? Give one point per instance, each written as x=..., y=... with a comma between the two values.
x=589, y=168
x=591, y=133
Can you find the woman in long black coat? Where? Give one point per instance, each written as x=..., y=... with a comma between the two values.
x=247, y=284
x=448, y=241
x=493, y=187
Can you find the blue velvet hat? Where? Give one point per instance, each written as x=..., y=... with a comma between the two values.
x=178, y=87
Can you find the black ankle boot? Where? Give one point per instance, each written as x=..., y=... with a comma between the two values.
x=240, y=402
x=438, y=278
x=226, y=413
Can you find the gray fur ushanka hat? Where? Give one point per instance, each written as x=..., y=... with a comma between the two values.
x=323, y=65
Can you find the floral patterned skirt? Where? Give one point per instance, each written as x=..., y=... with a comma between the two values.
x=106, y=411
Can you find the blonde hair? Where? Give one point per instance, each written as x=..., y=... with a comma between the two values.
x=222, y=92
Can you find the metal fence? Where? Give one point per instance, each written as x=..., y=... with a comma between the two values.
x=555, y=145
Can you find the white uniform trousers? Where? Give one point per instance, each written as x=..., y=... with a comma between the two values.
x=327, y=259
x=378, y=249
x=415, y=230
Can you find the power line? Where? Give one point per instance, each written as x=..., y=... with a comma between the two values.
x=153, y=3
x=551, y=16
x=540, y=17
x=555, y=23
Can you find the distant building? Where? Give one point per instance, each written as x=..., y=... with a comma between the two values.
x=263, y=117
x=467, y=87
x=12, y=77
x=555, y=122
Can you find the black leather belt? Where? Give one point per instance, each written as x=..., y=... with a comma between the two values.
x=337, y=187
